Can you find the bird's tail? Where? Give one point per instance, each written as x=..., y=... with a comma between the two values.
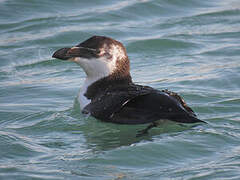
x=188, y=119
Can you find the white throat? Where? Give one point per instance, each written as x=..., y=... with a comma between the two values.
x=95, y=69
x=82, y=99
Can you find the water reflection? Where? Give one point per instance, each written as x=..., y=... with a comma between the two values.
x=101, y=136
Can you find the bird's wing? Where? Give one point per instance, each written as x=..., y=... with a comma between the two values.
x=152, y=107
x=106, y=104
x=140, y=105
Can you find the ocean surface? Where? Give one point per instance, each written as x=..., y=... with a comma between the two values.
x=191, y=47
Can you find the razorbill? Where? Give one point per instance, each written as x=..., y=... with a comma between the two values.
x=109, y=94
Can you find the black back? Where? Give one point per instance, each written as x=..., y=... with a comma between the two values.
x=121, y=101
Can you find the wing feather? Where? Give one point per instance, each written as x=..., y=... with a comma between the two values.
x=140, y=104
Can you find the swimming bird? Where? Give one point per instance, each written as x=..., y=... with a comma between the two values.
x=109, y=93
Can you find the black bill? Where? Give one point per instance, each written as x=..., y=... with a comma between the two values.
x=62, y=54
x=67, y=53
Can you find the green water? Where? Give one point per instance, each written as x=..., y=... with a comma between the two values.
x=191, y=47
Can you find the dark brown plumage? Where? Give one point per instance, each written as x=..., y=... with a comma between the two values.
x=115, y=98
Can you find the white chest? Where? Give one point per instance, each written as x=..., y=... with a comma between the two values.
x=82, y=99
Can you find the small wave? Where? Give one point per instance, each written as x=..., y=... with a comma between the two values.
x=230, y=101
x=222, y=51
x=159, y=44
x=19, y=145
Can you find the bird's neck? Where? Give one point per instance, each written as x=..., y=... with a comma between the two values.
x=94, y=86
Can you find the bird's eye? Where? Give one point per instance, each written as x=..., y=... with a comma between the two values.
x=108, y=55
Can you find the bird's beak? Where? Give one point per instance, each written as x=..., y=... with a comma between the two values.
x=67, y=53
x=62, y=54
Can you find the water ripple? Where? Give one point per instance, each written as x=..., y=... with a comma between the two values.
x=190, y=47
